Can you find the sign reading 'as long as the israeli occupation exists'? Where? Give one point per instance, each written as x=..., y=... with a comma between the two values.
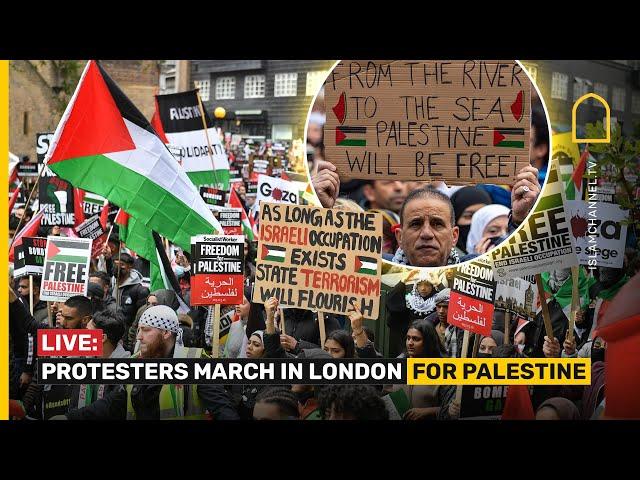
x=319, y=259
x=462, y=121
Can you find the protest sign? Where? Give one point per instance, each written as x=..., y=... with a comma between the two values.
x=33, y=249
x=66, y=268
x=92, y=204
x=217, y=263
x=544, y=241
x=230, y=219
x=461, y=121
x=180, y=123
x=518, y=296
x=92, y=228
x=32, y=168
x=276, y=190
x=213, y=197
x=226, y=320
x=319, y=259
x=483, y=402
x=19, y=267
x=472, y=296
x=599, y=232
x=56, y=200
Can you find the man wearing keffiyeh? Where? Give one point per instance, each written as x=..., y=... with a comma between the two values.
x=158, y=332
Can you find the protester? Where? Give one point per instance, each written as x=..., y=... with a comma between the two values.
x=351, y=402
x=466, y=202
x=489, y=226
x=39, y=306
x=130, y=293
x=558, y=409
x=75, y=313
x=159, y=336
x=276, y=403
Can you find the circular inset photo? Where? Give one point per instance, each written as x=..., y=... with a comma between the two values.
x=452, y=153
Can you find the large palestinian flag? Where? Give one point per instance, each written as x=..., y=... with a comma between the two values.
x=178, y=121
x=104, y=145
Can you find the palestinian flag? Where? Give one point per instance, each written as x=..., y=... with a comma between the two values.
x=351, y=136
x=59, y=250
x=104, y=145
x=178, y=121
x=340, y=108
x=234, y=202
x=574, y=186
x=508, y=137
x=29, y=230
x=366, y=265
x=273, y=253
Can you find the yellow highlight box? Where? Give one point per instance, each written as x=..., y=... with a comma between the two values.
x=499, y=371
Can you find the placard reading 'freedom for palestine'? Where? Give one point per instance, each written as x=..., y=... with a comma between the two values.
x=217, y=276
x=66, y=268
x=319, y=259
x=472, y=296
x=461, y=121
x=544, y=242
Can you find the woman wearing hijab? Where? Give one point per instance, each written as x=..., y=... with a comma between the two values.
x=466, y=202
x=489, y=342
x=487, y=223
x=557, y=408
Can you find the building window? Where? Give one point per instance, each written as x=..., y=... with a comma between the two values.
x=282, y=132
x=602, y=90
x=226, y=88
x=254, y=86
x=314, y=81
x=635, y=103
x=286, y=85
x=618, y=99
x=581, y=87
x=25, y=123
x=204, y=89
x=532, y=70
x=559, y=85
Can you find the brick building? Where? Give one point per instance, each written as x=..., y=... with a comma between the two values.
x=36, y=104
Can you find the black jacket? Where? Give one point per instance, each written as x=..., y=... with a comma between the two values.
x=132, y=295
x=145, y=400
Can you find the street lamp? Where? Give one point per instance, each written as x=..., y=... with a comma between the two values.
x=219, y=113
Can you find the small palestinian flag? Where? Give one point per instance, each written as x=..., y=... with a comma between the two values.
x=68, y=251
x=500, y=137
x=347, y=136
x=366, y=265
x=340, y=108
x=273, y=253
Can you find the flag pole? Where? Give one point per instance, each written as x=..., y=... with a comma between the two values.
x=323, y=331
x=575, y=300
x=507, y=321
x=215, y=339
x=31, y=294
x=206, y=134
x=463, y=354
x=545, y=308
x=35, y=186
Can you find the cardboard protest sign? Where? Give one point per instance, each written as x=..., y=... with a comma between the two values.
x=276, y=190
x=217, y=263
x=19, y=268
x=230, y=220
x=66, y=268
x=518, y=296
x=33, y=249
x=213, y=197
x=544, y=241
x=55, y=198
x=319, y=259
x=472, y=296
x=461, y=121
x=483, y=402
x=599, y=232
x=92, y=228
